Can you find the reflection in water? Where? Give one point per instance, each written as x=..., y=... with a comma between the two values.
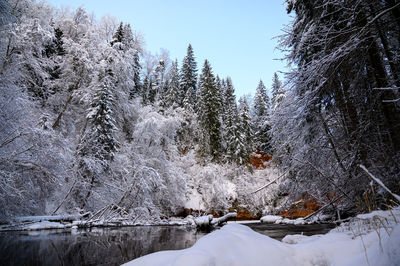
x=279, y=231
x=109, y=246
x=113, y=246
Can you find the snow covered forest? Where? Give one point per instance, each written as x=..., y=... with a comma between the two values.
x=90, y=121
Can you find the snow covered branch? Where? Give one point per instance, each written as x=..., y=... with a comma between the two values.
x=379, y=182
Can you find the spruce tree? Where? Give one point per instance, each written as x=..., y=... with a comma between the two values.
x=171, y=97
x=99, y=140
x=234, y=140
x=209, y=113
x=147, y=84
x=246, y=126
x=278, y=92
x=158, y=86
x=261, y=116
x=137, y=88
x=118, y=35
x=188, y=76
x=59, y=43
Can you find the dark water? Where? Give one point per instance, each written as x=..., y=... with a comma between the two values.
x=279, y=231
x=113, y=246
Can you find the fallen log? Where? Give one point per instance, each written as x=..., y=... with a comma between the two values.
x=223, y=219
x=203, y=221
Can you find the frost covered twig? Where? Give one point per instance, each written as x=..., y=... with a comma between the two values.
x=377, y=180
x=270, y=183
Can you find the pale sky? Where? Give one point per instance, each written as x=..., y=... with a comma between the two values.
x=236, y=36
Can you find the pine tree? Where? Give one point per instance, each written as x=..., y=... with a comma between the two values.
x=209, y=113
x=188, y=76
x=59, y=41
x=99, y=140
x=278, y=92
x=171, y=97
x=233, y=137
x=158, y=86
x=118, y=35
x=126, y=36
x=246, y=126
x=147, y=85
x=137, y=88
x=261, y=117
x=261, y=100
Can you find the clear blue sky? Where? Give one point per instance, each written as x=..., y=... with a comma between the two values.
x=236, y=36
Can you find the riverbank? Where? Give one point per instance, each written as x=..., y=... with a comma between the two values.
x=368, y=239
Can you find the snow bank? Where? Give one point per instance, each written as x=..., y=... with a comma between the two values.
x=233, y=244
x=236, y=244
x=293, y=239
x=270, y=218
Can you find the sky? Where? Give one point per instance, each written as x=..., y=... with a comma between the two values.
x=236, y=36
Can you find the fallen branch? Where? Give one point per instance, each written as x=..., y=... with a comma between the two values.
x=270, y=183
x=66, y=196
x=377, y=180
x=323, y=207
x=223, y=219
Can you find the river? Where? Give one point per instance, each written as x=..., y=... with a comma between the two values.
x=113, y=246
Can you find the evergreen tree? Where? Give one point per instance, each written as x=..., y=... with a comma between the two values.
x=209, y=113
x=147, y=85
x=261, y=100
x=171, y=97
x=99, y=140
x=261, y=117
x=127, y=36
x=137, y=88
x=246, y=126
x=158, y=86
x=59, y=41
x=188, y=77
x=118, y=35
x=56, y=46
x=233, y=137
x=278, y=92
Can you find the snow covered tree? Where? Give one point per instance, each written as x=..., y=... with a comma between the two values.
x=261, y=118
x=235, y=149
x=147, y=85
x=171, y=97
x=246, y=125
x=118, y=36
x=99, y=140
x=209, y=113
x=137, y=87
x=337, y=115
x=158, y=86
x=188, y=77
x=278, y=92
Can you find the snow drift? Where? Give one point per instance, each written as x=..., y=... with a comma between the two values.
x=236, y=244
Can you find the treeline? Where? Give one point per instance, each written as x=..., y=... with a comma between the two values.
x=89, y=119
x=343, y=106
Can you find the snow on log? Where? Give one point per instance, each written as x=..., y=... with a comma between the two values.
x=223, y=219
x=51, y=218
x=270, y=218
x=203, y=221
x=44, y=225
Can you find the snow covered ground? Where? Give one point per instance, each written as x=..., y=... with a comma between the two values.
x=372, y=239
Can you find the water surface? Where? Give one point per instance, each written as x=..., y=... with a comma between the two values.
x=114, y=246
